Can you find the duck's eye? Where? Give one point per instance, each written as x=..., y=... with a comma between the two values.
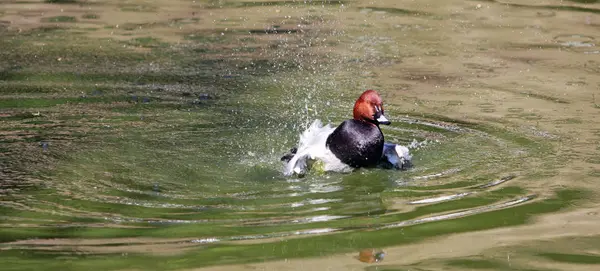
x=378, y=112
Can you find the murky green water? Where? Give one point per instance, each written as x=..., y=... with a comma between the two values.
x=147, y=135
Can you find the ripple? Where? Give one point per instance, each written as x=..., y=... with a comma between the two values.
x=205, y=240
x=441, y=198
x=319, y=218
x=498, y=182
x=437, y=175
x=459, y=214
x=575, y=40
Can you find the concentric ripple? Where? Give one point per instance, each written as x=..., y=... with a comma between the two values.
x=202, y=186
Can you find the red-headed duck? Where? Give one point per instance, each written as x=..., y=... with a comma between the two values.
x=355, y=143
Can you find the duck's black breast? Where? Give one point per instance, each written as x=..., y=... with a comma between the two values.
x=356, y=143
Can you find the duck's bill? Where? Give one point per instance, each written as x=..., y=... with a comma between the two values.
x=383, y=120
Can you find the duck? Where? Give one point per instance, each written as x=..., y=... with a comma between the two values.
x=355, y=143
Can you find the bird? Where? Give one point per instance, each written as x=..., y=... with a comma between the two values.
x=355, y=143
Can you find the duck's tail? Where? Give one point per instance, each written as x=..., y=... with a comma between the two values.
x=395, y=156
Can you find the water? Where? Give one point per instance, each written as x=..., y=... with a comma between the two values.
x=151, y=140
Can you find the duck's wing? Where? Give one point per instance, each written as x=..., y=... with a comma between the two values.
x=288, y=156
x=311, y=146
x=395, y=156
x=298, y=164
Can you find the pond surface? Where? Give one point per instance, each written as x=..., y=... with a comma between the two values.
x=146, y=135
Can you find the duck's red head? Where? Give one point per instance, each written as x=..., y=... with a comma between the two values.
x=369, y=108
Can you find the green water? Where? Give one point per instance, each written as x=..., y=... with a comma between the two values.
x=152, y=154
